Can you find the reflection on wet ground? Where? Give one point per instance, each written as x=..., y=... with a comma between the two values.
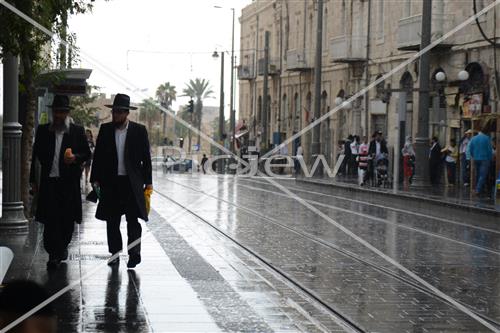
x=195, y=279
x=459, y=259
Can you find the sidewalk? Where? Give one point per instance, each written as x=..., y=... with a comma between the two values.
x=452, y=197
x=154, y=297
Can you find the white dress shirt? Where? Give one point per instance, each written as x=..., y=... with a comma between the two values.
x=54, y=171
x=120, y=137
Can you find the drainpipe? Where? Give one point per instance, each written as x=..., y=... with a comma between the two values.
x=367, y=69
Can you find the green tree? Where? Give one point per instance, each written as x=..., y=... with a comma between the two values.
x=84, y=113
x=199, y=90
x=165, y=95
x=149, y=113
x=19, y=37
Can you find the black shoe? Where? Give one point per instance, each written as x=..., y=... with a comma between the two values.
x=114, y=261
x=65, y=255
x=134, y=260
x=53, y=263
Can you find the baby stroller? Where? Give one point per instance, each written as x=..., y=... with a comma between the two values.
x=381, y=172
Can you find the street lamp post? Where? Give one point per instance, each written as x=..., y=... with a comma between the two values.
x=232, y=116
x=315, y=147
x=13, y=218
x=221, y=109
x=421, y=178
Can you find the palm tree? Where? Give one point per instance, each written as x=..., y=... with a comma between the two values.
x=165, y=95
x=199, y=89
x=148, y=113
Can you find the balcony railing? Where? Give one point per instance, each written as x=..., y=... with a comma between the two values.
x=409, y=31
x=299, y=60
x=273, y=68
x=348, y=48
x=246, y=72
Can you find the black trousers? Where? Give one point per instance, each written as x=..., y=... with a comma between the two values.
x=126, y=205
x=58, y=231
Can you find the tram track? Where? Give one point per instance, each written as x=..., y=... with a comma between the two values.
x=376, y=205
x=349, y=323
x=301, y=233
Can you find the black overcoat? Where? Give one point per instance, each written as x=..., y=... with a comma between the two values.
x=137, y=165
x=43, y=151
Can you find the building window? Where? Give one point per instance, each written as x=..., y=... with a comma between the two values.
x=407, y=8
x=380, y=20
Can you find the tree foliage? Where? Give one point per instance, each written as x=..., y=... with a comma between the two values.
x=84, y=111
x=198, y=89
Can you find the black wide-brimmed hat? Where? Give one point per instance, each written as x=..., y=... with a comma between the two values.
x=121, y=102
x=60, y=102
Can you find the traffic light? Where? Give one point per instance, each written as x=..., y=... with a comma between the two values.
x=190, y=106
x=181, y=142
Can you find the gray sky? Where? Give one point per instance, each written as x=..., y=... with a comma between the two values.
x=187, y=31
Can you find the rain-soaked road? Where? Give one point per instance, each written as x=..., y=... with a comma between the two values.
x=457, y=253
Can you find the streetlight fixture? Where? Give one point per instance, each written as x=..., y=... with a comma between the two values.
x=440, y=76
x=232, y=112
x=463, y=75
x=215, y=55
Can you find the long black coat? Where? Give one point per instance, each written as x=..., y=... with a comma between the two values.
x=43, y=151
x=137, y=164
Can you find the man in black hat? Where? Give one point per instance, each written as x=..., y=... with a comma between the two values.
x=122, y=172
x=61, y=148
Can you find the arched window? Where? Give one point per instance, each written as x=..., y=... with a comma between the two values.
x=296, y=113
x=284, y=114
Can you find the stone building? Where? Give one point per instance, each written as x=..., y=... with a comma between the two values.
x=362, y=41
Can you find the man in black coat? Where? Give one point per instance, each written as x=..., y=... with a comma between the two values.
x=61, y=148
x=435, y=162
x=121, y=172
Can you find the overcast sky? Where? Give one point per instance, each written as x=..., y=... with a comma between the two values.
x=176, y=39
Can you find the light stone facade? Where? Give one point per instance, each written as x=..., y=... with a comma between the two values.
x=393, y=30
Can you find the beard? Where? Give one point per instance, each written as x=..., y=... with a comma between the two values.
x=118, y=124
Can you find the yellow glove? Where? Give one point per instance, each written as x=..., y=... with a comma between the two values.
x=147, y=199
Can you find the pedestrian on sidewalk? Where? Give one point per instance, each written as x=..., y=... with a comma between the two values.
x=464, y=159
x=61, y=148
x=408, y=153
x=348, y=155
x=355, y=154
x=88, y=163
x=18, y=298
x=122, y=172
x=298, y=158
x=481, y=152
x=203, y=162
x=435, y=162
x=363, y=161
x=451, y=156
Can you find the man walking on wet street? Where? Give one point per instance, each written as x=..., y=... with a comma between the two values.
x=61, y=148
x=122, y=172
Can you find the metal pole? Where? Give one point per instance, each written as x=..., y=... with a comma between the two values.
x=315, y=146
x=421, y=178
x=367, y=71
x=221, y=112
x=13, y=218
x=265, y=103
x=231, y=106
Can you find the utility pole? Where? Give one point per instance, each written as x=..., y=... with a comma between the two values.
x=13, y=219
x=265, y=103
x=220, y=162
x=421, y=178
x=315, y=146
x=231, y=103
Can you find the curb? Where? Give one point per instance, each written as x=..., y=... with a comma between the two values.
x=399, y=195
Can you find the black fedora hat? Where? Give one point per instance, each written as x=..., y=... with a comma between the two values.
x=121, y=102
x=60, y=102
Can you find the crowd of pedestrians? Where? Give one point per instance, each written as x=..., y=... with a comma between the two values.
x=369, y=161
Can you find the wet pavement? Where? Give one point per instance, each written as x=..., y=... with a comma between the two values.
x=238, y=255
